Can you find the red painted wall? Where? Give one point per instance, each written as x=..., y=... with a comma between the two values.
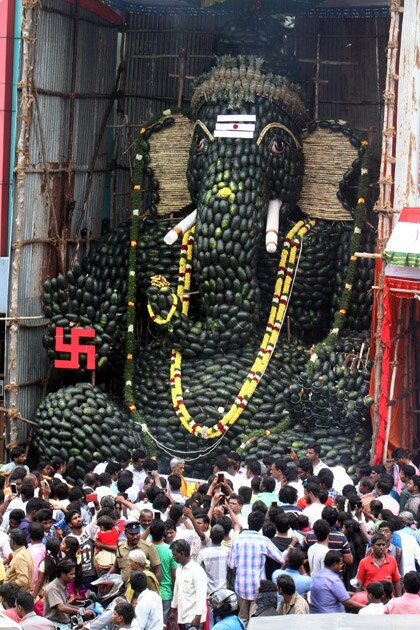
x=7, y=12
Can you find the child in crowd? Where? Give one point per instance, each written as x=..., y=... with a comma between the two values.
x=107, y=536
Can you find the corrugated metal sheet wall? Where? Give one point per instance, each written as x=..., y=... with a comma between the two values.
x=49, y=144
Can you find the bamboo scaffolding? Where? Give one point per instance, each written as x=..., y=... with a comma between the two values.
x=392, y=384
x=384, y=203
x=26, y=101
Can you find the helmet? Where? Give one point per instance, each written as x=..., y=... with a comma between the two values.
x=224, y=602
x=109, y=585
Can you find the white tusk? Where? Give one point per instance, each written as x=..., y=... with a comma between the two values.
x=272, y=228
x=181, y=228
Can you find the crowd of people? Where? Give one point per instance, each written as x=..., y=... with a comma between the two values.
x=142, y=548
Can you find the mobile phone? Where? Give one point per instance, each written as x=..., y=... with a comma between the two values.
x=220, y=477
x=157, y=516
x=93, y=497
x=274, y=504
x=13, y=488
x=289, y=449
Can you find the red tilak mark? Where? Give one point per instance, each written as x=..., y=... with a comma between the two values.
x=235, y=126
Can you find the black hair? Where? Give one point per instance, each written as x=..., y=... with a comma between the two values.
x=379, y=468
x=384, y=486
x=411, y=581
x=182, y=547
x=312, y=488
x=306, y=465
x=246, y=493
x=268, y=529
x=314, y=446
x=124, y=482
x=222, y=462
x=259, y=506
x=157, y=530
x=17, y=515
x=269, y=483
x=398, y=453
x=375, y=589
x=254, y=466
x=18, y=473
x=138, y=454
x=217, y=534
x=64, y=566
x=282, y=523
x=61, y=491
x=295, y=558
x=75, y=494
x=16, y=451
x=123, y=456
x=256, y=520
x=388, y=588
x=112, y=467
x=56, y=463
x=226, y=523
x=9, y=591
x=138, y=581
x=326, y=476
x=126, y=611
x=35, y=504
x=36, y=532
x=408, y=470
x=69, y=515
x=105, y=479
x=175, y=482
x=345, y=460
x=18, y=537
x=27, y=491
x=332, y=557
x=267, y=586
x=287, y=584
x=255, y=484
x=161, y=502
x=280, y=464
x=291, y=474
x=26, y=601
x=303, y=521
x=330, y=514
x=321, y=529
x=288, y=495
x=52, y=558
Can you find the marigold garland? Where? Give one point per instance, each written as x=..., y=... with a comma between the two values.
x=285, y=274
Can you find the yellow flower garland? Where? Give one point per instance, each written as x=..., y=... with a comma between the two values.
x=281, y=296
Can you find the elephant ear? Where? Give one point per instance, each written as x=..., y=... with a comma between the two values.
x=330, y=162
x=170, y=144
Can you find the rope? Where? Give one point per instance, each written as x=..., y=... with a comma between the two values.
x=172, y=452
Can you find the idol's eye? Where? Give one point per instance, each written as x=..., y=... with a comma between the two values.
x=277, y=146
x=200, y=142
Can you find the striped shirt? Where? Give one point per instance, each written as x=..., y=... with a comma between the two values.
x=247, y=556
x=336, y=541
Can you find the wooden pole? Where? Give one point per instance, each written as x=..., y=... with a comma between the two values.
x=393, y=379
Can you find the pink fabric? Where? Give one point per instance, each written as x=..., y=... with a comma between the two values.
x=12, y=614
x=407, y=604
x=38, y=553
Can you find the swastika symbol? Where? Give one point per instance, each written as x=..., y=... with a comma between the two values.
x=75, y=348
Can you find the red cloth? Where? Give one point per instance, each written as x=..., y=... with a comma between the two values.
x=369, y=572
x=109, y=537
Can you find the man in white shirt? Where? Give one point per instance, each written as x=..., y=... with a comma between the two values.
x=189, y=605
x=341, y=478
x=383, y=488
x=214, y=559
x=315, y=507
x=148, y=610
x=137, y=468
x=318, y=551
x=313, y=452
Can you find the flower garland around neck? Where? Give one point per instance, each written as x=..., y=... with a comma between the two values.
x=282, y=290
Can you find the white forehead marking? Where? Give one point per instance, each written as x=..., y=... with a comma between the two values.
x=235, y=126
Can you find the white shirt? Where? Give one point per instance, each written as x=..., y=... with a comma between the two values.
x=100, y=468
x=5, y=549
x=372, y=609
x=410, y=551
x=313, y=512
x=138, y=477
x=316, y=555
x=190, y=593
x=299, y=487
x=320, y=465
x=341, y=478
x=104, y=491
x=214, y=559
x=389, y=503
x=149, y=612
